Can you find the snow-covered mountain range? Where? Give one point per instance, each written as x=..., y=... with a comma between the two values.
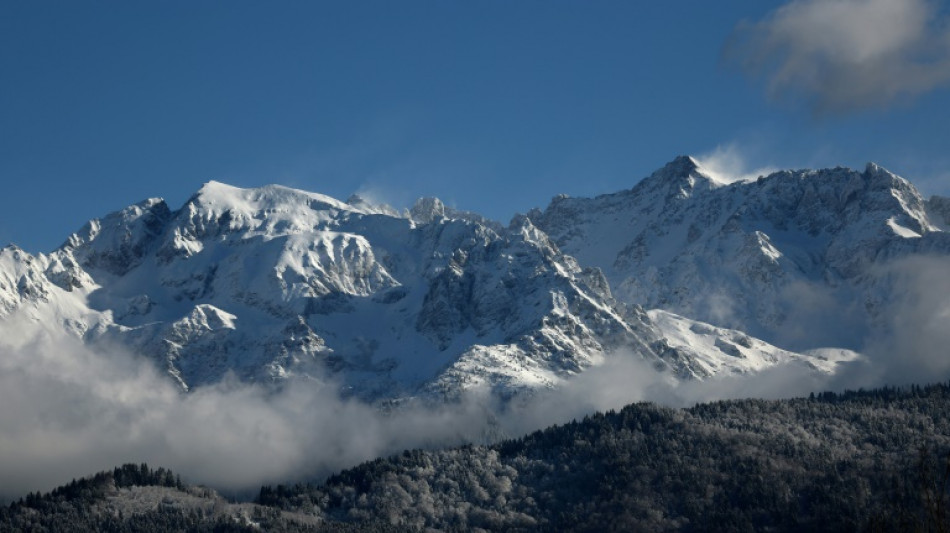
x=273, y=282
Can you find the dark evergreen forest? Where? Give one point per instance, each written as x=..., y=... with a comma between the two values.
x=860, y=461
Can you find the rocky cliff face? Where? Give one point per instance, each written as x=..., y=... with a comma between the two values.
x=272, y=283
x=269, y=283
x=770, y=256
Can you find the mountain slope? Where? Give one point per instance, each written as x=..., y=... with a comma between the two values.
x=272, y=282
x=707, y=351
x=795, y=258
x=870, y=460
x=832, y=463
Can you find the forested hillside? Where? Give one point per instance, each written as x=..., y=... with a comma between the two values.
x=862, y=460
x=867, y=460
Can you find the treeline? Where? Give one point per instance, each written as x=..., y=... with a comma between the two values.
x=862, y=460
x=78, y=507
x=82, y=492
x=72, y=507
x=875, y=460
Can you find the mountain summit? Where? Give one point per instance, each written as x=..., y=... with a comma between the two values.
x=749, y=254
x=273, y=282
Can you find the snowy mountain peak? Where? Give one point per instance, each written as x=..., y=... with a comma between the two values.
x=219, y=197
x=367, y=206
x=872, y=169
x=425, y=210
x=879, y=178
x=681, y=165
x=430, y=209
x=679, y=168
x=735, y=255
x=680, y=178
x=221, y=212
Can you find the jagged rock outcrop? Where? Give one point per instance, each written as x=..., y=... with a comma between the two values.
x=272, y=282
x=777, y=257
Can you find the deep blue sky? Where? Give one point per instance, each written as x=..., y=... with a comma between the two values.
x=493, y=106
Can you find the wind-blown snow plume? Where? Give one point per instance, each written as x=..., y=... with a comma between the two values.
x=727, y=163
x=846, y=55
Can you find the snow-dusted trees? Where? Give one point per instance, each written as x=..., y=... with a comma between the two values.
x=832, y=462
x=868, y=460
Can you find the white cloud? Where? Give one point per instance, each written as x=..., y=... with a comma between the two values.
x=68, y=412
x=913, y=347
x=846, y=55
x=626, y=378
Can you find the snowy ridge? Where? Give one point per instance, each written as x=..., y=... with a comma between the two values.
x=714, y=351
x=745, y=255
x=272, y=283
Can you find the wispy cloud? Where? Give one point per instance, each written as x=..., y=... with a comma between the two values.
x=625, y=378
x=912, y=347
x=846, y=55
x=69, y=411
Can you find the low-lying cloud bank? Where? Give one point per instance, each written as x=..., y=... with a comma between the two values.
x=67, y=411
